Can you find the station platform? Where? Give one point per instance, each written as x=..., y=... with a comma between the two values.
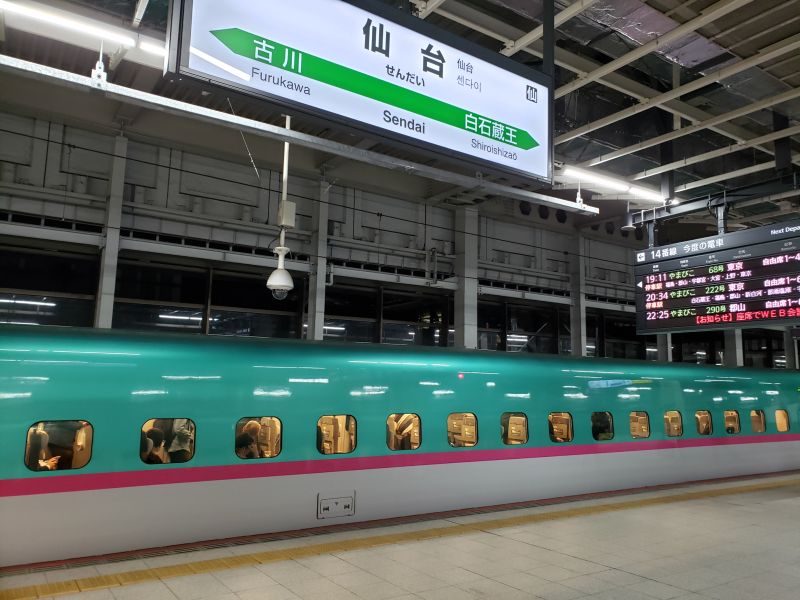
x=733, y=540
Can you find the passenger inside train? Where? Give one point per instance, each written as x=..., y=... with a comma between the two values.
x=58, y=445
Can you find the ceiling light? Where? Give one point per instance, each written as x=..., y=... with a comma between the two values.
x=52, y=18
x=645, y=193
x=153, y=48
x=599, y=180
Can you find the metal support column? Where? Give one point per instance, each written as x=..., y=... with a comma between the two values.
x=790, y=347
x=104, y=307
x=734, y=348
x=319, y=264
x=577, y=311
x=466, y=301
x=664, y=344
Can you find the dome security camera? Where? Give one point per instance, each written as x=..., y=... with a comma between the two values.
x=280, y=281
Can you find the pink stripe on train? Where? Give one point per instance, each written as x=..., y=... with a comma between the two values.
x=53, y=483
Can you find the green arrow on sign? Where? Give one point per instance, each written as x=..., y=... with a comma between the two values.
x=295, y=61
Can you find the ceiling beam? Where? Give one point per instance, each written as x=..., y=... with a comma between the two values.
x=707, y=124
x=424, y=9
x=201, y=114
x=692, y=160
x=710, y=14
x=785, y=46
x=502, y=32
x=138, y=13
x=514, y=46
x=730, y=175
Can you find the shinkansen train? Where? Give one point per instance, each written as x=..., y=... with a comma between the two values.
x=112, y=442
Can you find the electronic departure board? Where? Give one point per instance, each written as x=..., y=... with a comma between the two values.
x=749, y=278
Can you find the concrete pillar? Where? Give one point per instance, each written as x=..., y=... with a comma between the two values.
x=319, y=263
x=790, y=345
x=466, y=296
x=577, y=311
x=664, y=342
x=104, y=307
x=734, y=348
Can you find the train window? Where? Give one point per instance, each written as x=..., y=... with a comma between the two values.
x=673, y=424
x=758, y=423
x=560, y=425
x=702, y=421
x=403, y=431
x=732, y=424
x=336, y=434
x=514, y=428
x=602, y=426
x=640, y=424
x=167, y=441
x=58, y=445
x=462, y=430
x=258, y=437
x=782, y=420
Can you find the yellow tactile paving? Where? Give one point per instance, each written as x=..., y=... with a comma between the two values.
x=56, y=589
x=97, y=583
x=232, y=562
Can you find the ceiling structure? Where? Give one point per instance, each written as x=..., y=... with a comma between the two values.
x=698, y=98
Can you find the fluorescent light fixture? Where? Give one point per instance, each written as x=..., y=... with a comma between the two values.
x=180, y=318
x=54, y=18
x=153, y=48
x=641, y=192
x=600, y=180
x=18, y=323
x=333, y=328
x=26, y=302
x=219, y=64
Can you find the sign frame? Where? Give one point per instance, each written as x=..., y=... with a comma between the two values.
x=178, y=41
x=748, y=245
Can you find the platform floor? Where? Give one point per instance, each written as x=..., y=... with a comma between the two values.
x=734, y=540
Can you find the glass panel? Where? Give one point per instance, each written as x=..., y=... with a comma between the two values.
x=560, y=424
x=514, y=427
x=258, y=437
x=462, y=429
x=272, y=325
x=170, y=441
x=602, y=426
x=782, y=420
x=58, y=445
x=673, y=424
x=732, y=424
x=403, y=431
x=336, y=434
x=19, y=309
x=758, y=422
x=702, y=420
x=640, y=425
x=155, y=317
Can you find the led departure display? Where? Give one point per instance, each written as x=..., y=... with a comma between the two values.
x=744, y=279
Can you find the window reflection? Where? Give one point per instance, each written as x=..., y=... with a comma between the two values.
x=782, y=420
x=702, y=421
x=403, y=431
x=673, y=424
x=602, y=426
x=514, y=428
x=758, y=422
x=732, y=424
x=640, y=424
x=58, y=445
x=336, y=434
x=462, y=429
x=560, y=424
x=166, y=441
x=258, y=437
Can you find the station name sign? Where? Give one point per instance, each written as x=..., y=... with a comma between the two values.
x=744, y=279
x=374, y=68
